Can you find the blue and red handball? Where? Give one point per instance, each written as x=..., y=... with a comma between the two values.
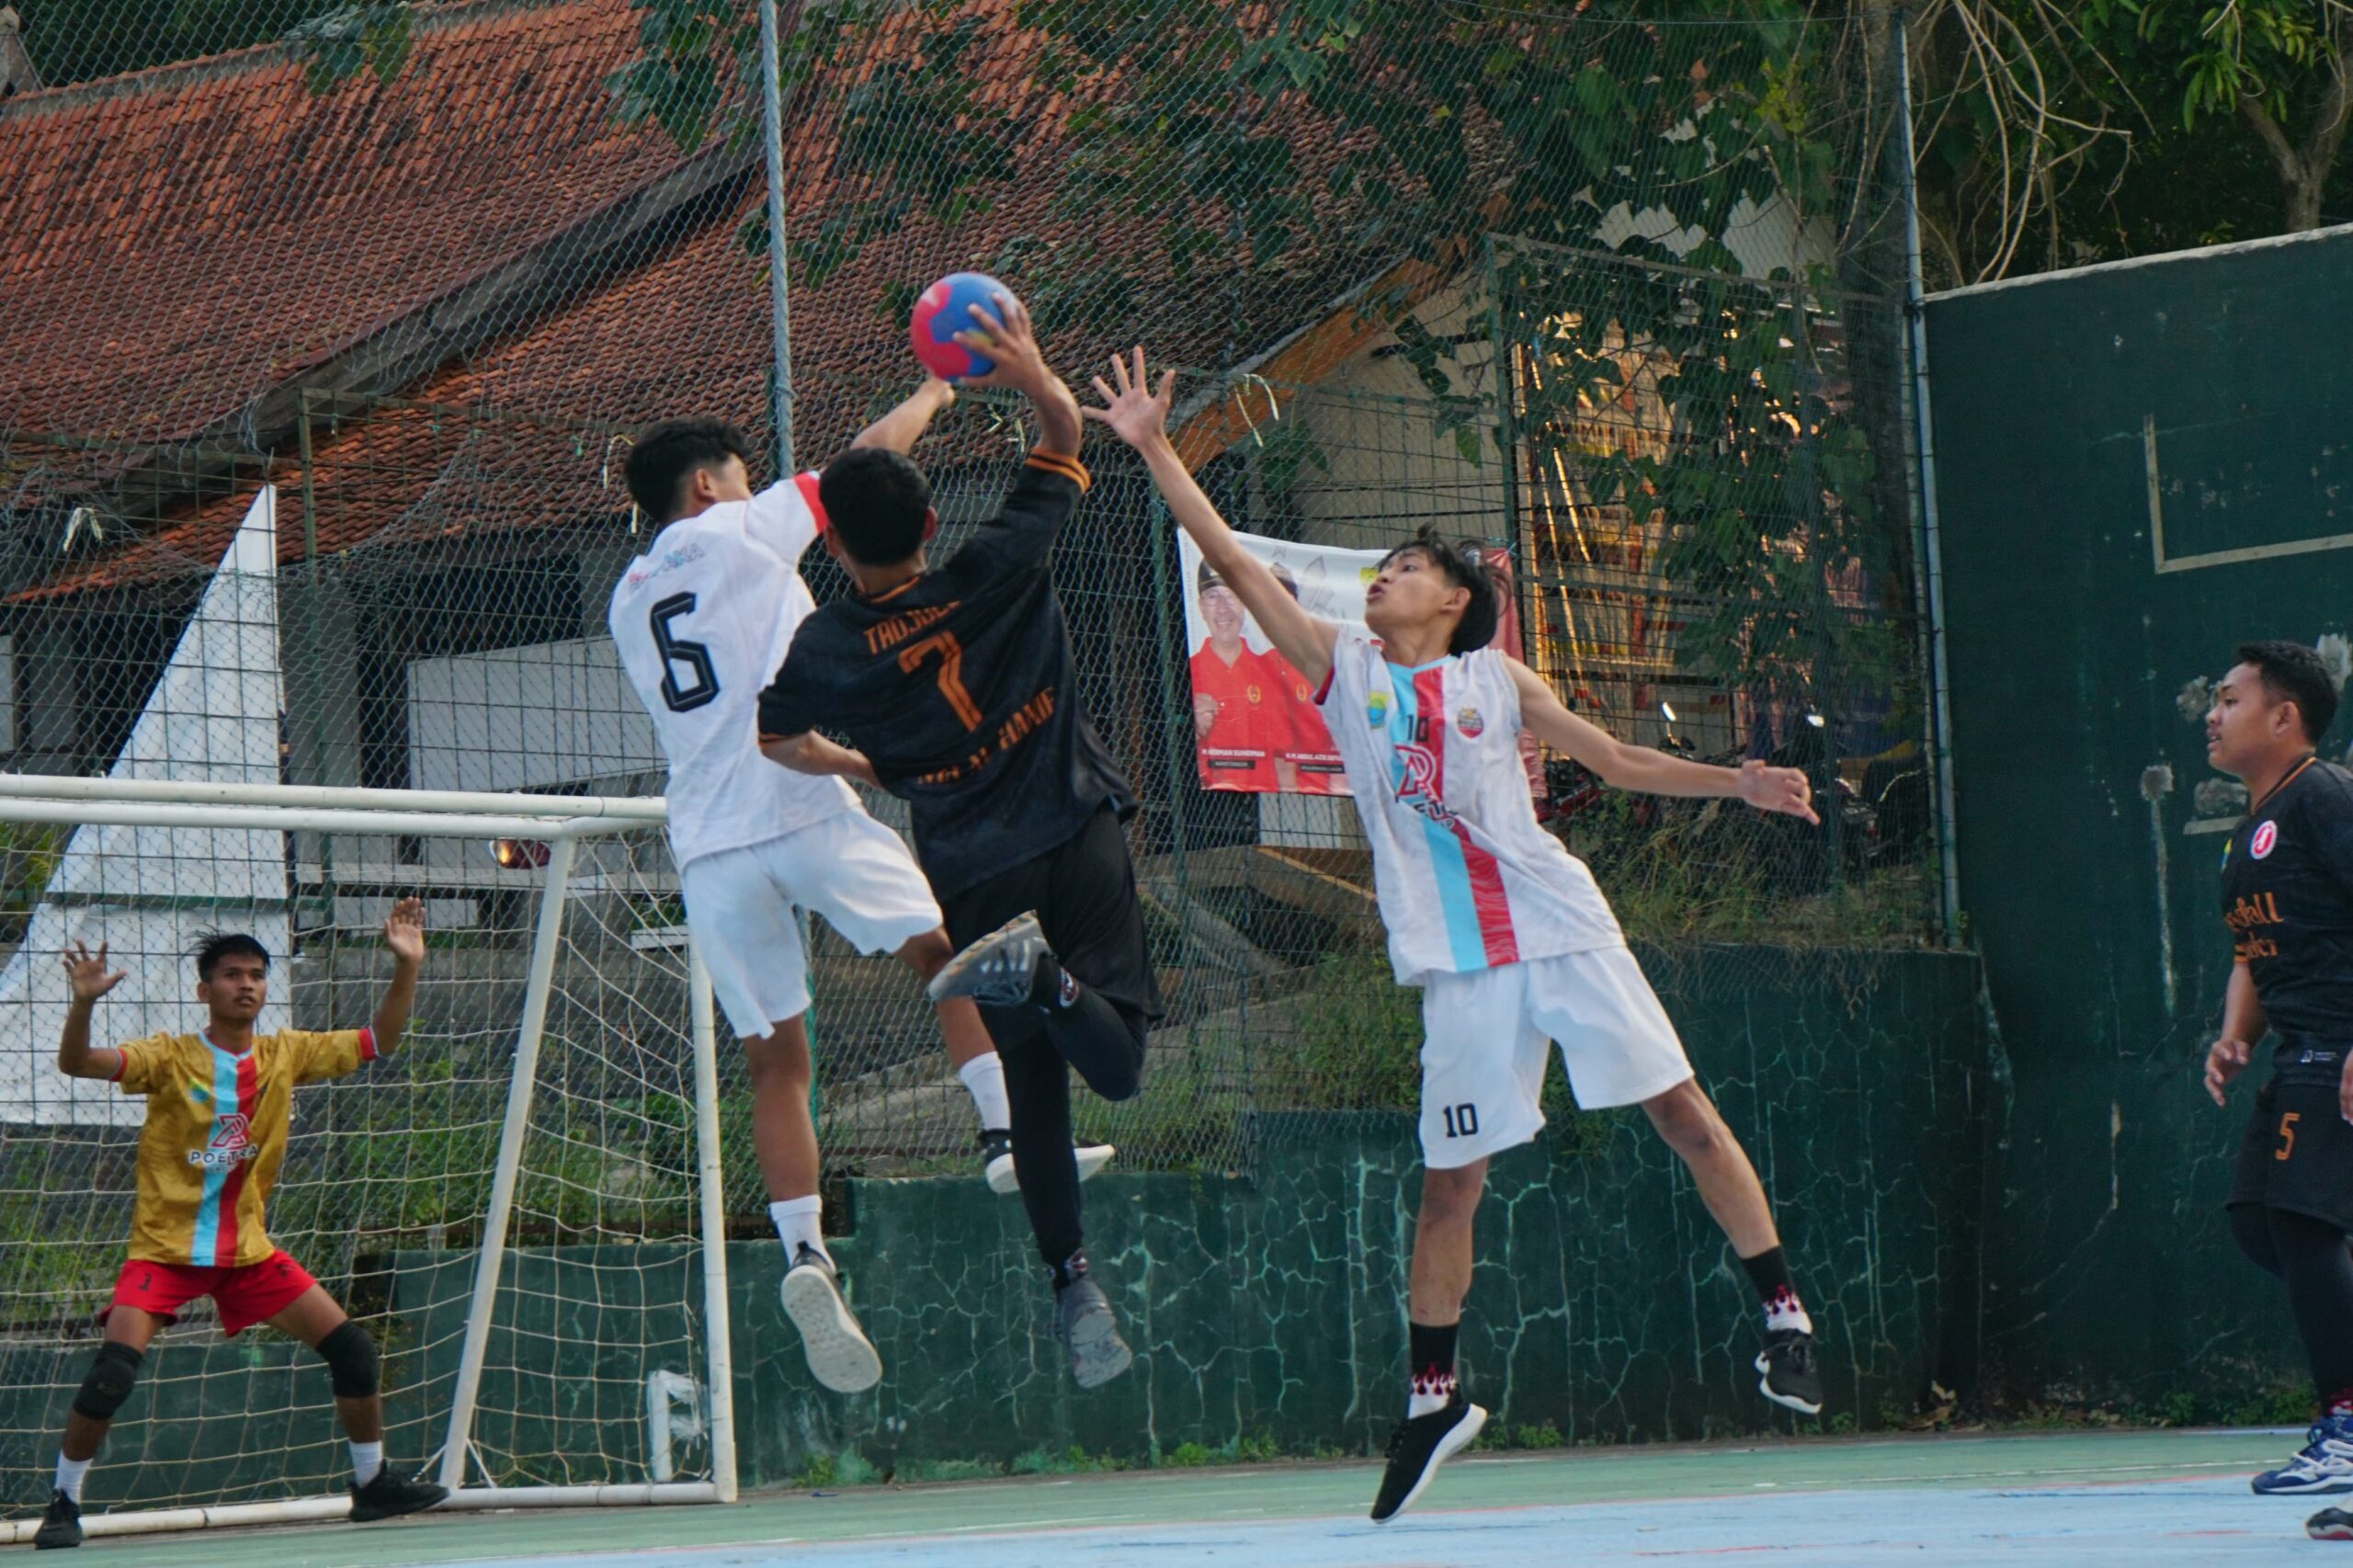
x=943, y=310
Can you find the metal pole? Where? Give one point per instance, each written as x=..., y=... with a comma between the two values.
x=772, y=138
x=1931, y=536
x=136, y=813
x=545, y=939
x=711, y=1176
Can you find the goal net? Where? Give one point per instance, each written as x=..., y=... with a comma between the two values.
x=521, y=1201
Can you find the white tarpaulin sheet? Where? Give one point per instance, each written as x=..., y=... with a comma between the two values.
x=148, y=892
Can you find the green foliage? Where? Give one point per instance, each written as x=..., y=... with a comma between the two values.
x=78, y=43
x=375, y=37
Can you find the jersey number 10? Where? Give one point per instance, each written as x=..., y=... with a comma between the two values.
x=702, y=684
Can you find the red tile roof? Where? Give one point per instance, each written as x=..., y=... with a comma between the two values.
x=174, y=242
x=688, y=330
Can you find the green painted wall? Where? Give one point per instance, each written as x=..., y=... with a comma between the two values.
x=2094, y=907
x=1270, y=1305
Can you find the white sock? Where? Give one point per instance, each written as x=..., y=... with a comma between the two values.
x=70, y=1473
x=984, y=1076
x=797, y=1225
x=1785, y=1311
x=367, y=1459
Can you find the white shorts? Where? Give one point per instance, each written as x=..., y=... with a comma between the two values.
x=848, y=868
x=1487, y=1035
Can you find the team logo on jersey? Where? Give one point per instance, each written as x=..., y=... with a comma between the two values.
x=231, y=1141
x=2265, y=839
x=200, y=1092
x=1418, y=787
x=1470, y=724
x=1254, y=694
x=1376, y=708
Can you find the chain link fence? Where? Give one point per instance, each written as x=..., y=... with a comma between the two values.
x=1616, y=293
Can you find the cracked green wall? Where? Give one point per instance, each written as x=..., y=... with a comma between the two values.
x=2095, y=905
x=1268, y=1306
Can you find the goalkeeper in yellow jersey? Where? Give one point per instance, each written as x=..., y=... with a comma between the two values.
x=217, y=1111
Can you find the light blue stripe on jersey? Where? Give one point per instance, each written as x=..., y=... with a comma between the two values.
x=1447, y=868
x=207, y=1239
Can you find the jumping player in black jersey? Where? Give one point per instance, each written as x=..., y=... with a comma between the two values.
x=954, y=686
x=2287, y=899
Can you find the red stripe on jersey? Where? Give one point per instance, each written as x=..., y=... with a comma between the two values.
x=225, y=1251
x=808, y=483
x=1487, y=896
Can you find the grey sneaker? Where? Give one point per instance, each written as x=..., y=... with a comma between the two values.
x=995, y=972
x=1085, y=1323
x=840, y=1355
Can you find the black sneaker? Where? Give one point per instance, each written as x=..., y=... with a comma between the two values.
x=1418, y=1448
x=997, y=971
x=1789, y=1377
x=1089, y=1330
x=840, y=1355
x=388, y=1494
x=60, y=1524
x=996, y=1161
x=2330, y=1523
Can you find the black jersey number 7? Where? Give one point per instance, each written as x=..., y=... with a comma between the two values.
x=702, y=684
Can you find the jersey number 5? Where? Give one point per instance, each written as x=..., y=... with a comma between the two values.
x=943, y=646
x=702, y=684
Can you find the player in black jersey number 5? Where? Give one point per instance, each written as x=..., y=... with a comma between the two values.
x=955, y=686
x=2288, y=900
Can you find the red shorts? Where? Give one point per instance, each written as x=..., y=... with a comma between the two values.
x=245, y=1296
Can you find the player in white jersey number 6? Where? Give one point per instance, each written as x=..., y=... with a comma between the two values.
x=702, y=621
x=1503, y=928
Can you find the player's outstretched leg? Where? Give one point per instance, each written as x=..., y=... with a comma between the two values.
x=784, y=1140
x=1439, y=1422
x=1040, y=1083
x=354, y=1372
x=1688, y=1119
x=982, y=1071
x=1014, y=966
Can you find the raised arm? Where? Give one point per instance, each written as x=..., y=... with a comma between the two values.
x=89, y=979
x=904, y=425
x=405, y=935
x=1650, y=772
x=1007, y=338
x=1138, y=417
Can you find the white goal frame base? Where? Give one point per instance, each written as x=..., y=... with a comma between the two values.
x=560, y=822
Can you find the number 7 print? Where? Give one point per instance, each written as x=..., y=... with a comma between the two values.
x=951, y=673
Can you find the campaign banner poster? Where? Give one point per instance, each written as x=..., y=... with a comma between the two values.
x=1257, y=728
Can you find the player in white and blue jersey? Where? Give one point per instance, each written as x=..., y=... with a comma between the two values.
x=1503, y=928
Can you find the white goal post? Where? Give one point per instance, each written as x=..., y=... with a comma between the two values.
x=598, y=1239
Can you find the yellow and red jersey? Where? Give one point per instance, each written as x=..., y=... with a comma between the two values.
x=216, y=1136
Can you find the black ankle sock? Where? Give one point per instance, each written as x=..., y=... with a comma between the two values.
x=1430, y=1354
x=1070, y=1270
x=1050, y=985
x=1769, y=1272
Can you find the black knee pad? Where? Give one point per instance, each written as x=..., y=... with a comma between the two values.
x=113, y=1375
x=353, y=1368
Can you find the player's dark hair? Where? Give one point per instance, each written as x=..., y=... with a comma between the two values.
x=1462, y=566
x=876, y=501
x=664, y=454
x=212, y=947
x=2294, y=673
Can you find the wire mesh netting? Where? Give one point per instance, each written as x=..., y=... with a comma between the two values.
x=1615, y=292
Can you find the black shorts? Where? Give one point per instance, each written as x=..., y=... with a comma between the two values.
x=2298, y=1154
x=1084, y=892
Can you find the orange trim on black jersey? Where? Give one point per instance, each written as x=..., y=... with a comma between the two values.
x=1069, y=467
x=2293, y=774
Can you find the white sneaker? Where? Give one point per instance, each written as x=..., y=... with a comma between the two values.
x=996, y=1161
x=840, y=1355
